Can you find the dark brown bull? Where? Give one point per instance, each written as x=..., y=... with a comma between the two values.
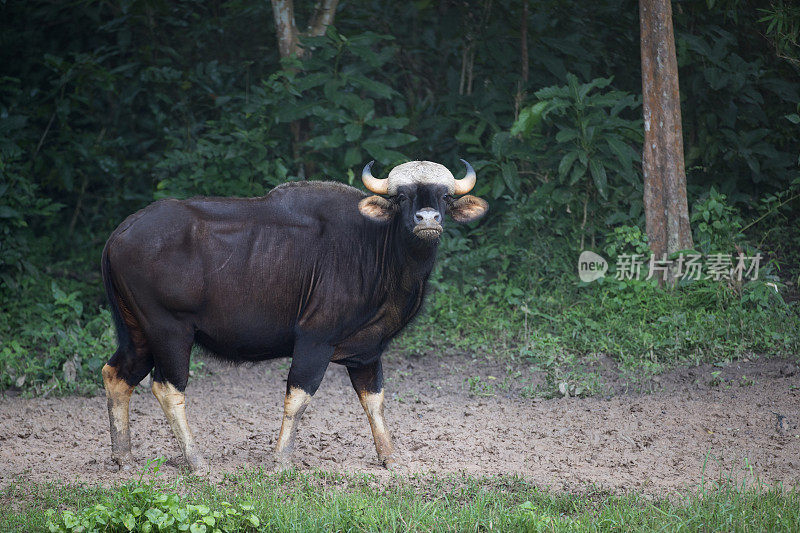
x=315, y=271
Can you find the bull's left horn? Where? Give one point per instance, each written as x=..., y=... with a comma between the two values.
x=465, y=184
x=373, y=184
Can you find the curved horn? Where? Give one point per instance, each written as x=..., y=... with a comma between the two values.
x=376, y=185
x=465, y=184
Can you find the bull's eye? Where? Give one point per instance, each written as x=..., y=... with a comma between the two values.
x=402, y=197
x=447, y=197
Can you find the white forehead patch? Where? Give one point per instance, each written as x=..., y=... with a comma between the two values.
x=420, y=172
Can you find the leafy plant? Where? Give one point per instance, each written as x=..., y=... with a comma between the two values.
x=736, y=122
x=21, y=199
x=56, y=344
x=586, y=149
x=783, y=27
x=141, y=506
x=479, y=387
x=334, y=100
x=717, y=225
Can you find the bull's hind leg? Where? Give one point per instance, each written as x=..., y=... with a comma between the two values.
x=169, y=382
x=118, y=394
x=368, y=382
x=309, y=362
x=122, y=373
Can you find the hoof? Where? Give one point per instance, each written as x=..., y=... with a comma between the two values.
x=283, y=462
x=198, y=466
x=393, y=466
x=124, y=462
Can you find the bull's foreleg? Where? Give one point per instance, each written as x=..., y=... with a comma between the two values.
x=173, y=402
x=118, y=393
x=368, y=383
x=294, y=405
x=309, y=362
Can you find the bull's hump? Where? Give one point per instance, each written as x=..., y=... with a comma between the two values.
x=314, y=203
x=317, y=187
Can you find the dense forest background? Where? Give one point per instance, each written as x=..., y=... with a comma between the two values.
x=106, y=106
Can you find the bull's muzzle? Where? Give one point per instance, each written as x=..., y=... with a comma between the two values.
x=428, y=224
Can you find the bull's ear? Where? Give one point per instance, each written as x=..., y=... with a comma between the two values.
x=377, y=208
x=467, y=208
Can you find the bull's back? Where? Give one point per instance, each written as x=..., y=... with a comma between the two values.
x=238, y=271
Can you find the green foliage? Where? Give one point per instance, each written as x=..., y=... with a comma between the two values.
x=783, y=28
x=777, y=231
x=143, y=508
x=106, y=106
x=334, y=96
x=229, y=157
x=717, y=225
x=626, y=240
x=21, y=201
x=58, y=340
x=719, y=230
x=586, y=151
x=479, y=387
x=340, y=89
x=736, y=130
x=565, y=373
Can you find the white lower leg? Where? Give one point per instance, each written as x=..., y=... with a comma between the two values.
x=173, y=402
x=373, y=405
x=294, y=405
x=118, y=393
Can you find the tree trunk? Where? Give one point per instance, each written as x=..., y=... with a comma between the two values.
x=323, y=17
x=289, y=45
x=666, y=210
x=286, y=28
x=523, y=56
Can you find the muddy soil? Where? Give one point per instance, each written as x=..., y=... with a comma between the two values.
x=657, y=437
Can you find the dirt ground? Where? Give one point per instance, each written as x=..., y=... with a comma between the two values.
x=740, y=420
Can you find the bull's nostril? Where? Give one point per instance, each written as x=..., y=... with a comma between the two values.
x=427, y=216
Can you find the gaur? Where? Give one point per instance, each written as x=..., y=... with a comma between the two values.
x=316, y=271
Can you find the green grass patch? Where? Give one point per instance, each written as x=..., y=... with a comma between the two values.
x=253, y=500
x=637, y=322
x=644, y=328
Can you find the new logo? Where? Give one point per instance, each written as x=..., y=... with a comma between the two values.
x=591, y=266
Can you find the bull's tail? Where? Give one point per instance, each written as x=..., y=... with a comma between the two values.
x=123, y=332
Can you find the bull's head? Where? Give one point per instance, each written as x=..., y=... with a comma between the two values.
x=421, y=192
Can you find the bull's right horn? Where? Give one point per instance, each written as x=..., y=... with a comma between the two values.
x=465, y=184
x=373, y=184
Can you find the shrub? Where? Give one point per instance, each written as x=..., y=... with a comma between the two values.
x=143, y=507
x=57, y=343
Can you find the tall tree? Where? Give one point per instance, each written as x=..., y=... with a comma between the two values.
x=666, y=209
